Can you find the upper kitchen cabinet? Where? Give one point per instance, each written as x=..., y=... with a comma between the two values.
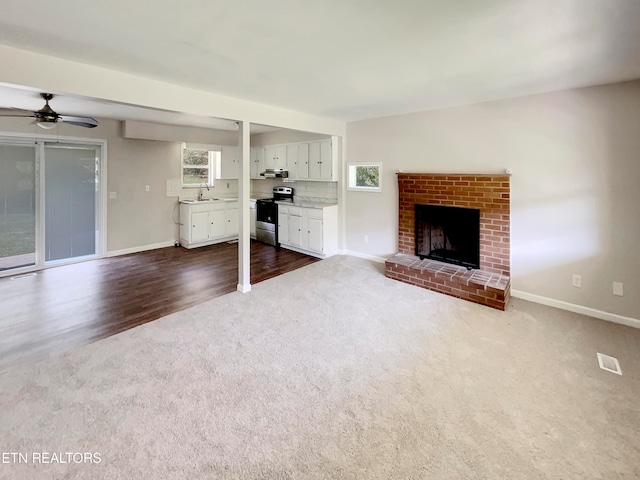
x=275, y=156
x=229, y=163
x=322, y=162
x=257, y=162
x=298, y=161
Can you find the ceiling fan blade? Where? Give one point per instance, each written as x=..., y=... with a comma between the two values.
x=87, y=122
x=16, y=112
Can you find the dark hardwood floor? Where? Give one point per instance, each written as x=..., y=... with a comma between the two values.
x=64, y=307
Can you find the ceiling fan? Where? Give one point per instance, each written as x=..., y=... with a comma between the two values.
x=47, y=118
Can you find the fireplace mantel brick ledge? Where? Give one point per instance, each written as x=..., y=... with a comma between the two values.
x=486, y=288
x=490, y=284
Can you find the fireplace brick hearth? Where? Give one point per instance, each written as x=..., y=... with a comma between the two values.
x=488, y=285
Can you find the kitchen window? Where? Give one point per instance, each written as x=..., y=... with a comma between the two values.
x=364, y=177
x=198, y=163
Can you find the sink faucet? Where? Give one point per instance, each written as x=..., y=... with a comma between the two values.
x=201, y=190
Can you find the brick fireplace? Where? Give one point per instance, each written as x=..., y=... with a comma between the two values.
x=490, y=283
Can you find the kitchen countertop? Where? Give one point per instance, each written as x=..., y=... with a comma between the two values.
x=296, y=202
x=207, y=200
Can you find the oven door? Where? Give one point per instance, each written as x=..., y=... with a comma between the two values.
x=267, y=211
x=266, y=221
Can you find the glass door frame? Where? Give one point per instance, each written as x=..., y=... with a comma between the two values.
x=101, y=195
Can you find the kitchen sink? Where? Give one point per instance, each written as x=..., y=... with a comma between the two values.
x=204, y=200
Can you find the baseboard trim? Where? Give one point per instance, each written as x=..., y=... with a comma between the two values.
x=366, y=256
x=306, y=252
x=143, y=248
x=571, y=307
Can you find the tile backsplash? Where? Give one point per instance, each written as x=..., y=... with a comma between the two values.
x=315, y=191
x=221, y=189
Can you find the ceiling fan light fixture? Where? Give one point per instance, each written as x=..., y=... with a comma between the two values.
x=47, y=118
x=46, y=125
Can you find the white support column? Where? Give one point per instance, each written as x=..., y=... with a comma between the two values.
x=244, y=187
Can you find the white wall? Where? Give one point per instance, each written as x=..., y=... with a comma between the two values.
x=177, y=133
x=575, y=157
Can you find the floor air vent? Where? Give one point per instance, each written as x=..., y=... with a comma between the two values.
x=610, y=364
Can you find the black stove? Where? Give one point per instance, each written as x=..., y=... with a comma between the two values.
x=267, y=214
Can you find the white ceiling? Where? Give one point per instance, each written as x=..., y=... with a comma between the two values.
x=342, y=59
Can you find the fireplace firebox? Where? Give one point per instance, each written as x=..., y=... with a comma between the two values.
x=448, y=234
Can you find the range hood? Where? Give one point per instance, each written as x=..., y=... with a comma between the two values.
x=275, y=173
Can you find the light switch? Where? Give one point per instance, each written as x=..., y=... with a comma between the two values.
x=113, y=195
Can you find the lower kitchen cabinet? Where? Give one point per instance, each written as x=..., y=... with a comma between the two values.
x=313, y=231
x=283, y=225
x=232, y=227
x=207, y=223
x=294, y=227
x=200, y=227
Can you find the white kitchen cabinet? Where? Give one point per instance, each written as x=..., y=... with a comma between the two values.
x=313, y=231
x=199, y=227
x=292, y=160
x=229, y=163
x=275, y=156
x=257, y=162
x=283, y=225
x=232, y=220
x=294, y=227
x=217, y=225
x=321, y=161
x=303, y=161
x=207, y=223
x=298, y=161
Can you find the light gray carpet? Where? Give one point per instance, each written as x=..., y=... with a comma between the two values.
x=334, y=371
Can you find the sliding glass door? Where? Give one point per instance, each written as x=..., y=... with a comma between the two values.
x=18, y=205
x=50, y=203
x=71, y=174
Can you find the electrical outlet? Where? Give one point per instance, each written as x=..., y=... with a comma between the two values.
x=366, y=239
x=577, y=280
x=146, y=188
x=618, y=289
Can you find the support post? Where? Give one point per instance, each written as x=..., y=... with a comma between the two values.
x=244, y=187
